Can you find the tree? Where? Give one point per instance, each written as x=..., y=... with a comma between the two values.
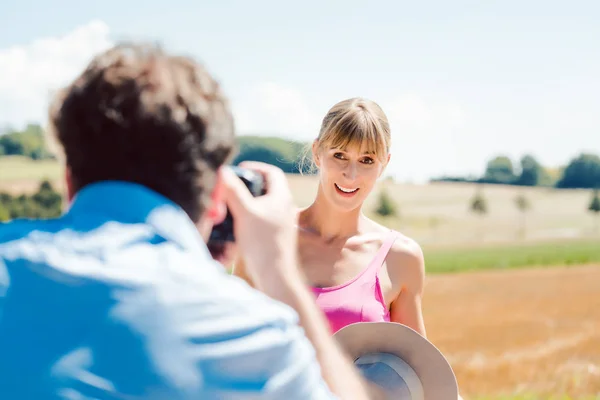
x=499, y=170
x=30, y=143
x=262, y=154
x=479, y=204
x=48, y=201
x=479, y=207
x=594, y=207
x=523, y=205
x=386, y=206
x=285, y=154
x=583, y=172
x=531, y=171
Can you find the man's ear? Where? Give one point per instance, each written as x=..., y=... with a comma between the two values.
x=217, y=209
x=315, y=153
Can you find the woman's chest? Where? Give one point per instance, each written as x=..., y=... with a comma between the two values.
x=331, y=266
x=326, y=266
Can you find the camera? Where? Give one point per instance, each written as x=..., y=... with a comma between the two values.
x=254, y=181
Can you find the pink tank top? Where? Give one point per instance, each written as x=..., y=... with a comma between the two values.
x=361, y=298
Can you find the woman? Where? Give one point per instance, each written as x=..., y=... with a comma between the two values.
x=359, y=270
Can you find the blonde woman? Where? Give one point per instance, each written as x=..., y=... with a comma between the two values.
x=359, y=270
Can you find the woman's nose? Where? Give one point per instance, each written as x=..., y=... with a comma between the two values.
x=350, y=171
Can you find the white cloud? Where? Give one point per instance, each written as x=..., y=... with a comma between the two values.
x=30, y=72
x=414, y=112
x=423, y=126
x=425, y=133
x=272, y=109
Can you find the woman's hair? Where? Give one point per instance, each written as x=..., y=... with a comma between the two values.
x=353, y=122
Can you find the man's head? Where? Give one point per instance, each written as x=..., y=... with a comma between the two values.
x=140, y=115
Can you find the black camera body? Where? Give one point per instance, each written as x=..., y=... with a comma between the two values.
x=255, y=183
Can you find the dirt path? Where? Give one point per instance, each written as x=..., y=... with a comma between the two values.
x=526, y=331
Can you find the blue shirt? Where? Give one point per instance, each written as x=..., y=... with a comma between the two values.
x=120, y=299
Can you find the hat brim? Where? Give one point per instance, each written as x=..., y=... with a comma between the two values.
x=430, y=365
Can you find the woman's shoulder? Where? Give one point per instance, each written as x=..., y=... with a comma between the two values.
x=406, y=249
x=405, y=254
x=402, y=243
x=406, y=262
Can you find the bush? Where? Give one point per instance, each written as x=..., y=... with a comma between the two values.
x=479, y=204
x=386, y=206
x=45, y=203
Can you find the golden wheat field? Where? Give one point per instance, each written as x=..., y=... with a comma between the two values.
x=534, y=331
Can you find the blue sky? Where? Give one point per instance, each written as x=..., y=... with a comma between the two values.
x=460, y=81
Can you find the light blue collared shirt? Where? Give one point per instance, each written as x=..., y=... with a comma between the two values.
x=120, y=299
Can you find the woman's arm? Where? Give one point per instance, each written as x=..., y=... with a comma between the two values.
x=406, y=268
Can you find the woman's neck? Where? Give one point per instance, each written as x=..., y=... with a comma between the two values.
x=328, y=222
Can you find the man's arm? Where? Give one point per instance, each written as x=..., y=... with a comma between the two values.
x=337, y=369
x=193, y=342
x=266, y=235
x=312, y=321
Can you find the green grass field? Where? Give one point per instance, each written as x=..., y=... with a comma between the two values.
x=543, y=254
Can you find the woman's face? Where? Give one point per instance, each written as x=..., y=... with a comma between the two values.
x=347, y=176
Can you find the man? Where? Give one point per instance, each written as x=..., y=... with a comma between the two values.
x=119, y=298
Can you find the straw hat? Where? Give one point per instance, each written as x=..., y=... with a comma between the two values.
x=399, y=360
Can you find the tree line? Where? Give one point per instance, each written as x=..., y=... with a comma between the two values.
x=583, y=171
x=29, y=142
x=46, y=202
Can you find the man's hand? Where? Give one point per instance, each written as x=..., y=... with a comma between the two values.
x=264, y=226
x=267, y=237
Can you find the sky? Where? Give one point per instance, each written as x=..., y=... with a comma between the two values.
x=460, y=81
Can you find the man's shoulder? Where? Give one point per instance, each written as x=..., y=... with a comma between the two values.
x=131, y=262
x=22, y=228
x=24, y=242
x=161, y=305
x=56, y=247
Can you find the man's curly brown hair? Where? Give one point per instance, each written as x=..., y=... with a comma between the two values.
x=140, y=115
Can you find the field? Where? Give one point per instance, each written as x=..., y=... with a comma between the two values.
x=519, y=332
x=436, y=215
x=522, y=318
x=20, y=174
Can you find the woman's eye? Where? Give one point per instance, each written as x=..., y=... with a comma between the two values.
x=368, y=160
x=338, y=155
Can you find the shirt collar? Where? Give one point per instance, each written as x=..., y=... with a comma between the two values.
x=129, y=202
